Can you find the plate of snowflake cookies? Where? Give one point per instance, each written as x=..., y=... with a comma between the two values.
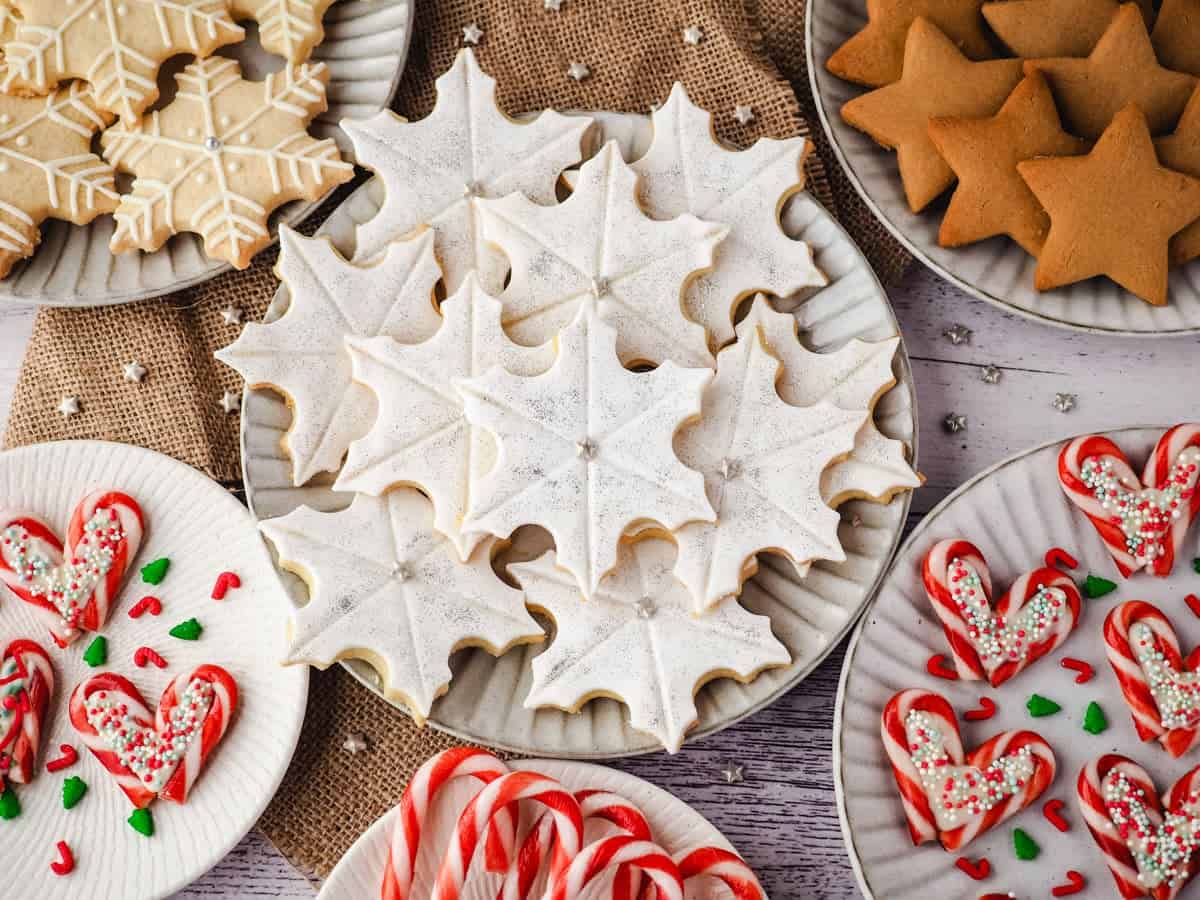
x=1018, y=712
x=1057, y=173
x=145, y=719
x=126, y=174
x=561, y=440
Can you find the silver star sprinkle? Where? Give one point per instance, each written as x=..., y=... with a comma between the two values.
x=990, y=374
x=1064, y=403
x=733, y=773
x=693, y=35
x=134, y=372
x=401, y=572
x=958, y=334
x=955, y=422
x=472, y=34
x=730, y=468
x=585, y=449
x=231, y=315
x=645, y=607
x=68, y=406
x=600, y=287
x=552, y=5
x=354, y=744
x=231, y=402
x=743, y=114
x=578, y=71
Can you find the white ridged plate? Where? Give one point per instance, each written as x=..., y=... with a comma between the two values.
x=366, y=44
x=676, y=826
x=809, y=616
x=203, y=530
x=996, y=270
x=1014, y=512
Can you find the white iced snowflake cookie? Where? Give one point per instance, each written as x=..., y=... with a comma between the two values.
x=301, y=354
x=598, y=249
x=638, y=640
x=853, y=377
x=762, y=461
x=386, y=588
x=421, y=435
x=686, y=170
x=289, y=28
x=435, y=170
x=584, y=450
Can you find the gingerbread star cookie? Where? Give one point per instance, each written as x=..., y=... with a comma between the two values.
x=1112, y=212
x=639, y=640
x=1121, y=69
x=116, y=45
x=1176, y=36
x=288, y=28
x=47, y=169
x=221, y=157
x=991, y=197
x=937, y=81
x=875, y=56
x=1181, y=151
x=1037, y=28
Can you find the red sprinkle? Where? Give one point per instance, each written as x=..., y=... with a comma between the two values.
x=150, y=605
x=65, y=864
x=1193, y=603
x=1057, y=556
x=1075, y=884
x=938, y=667
x=1086, y=672
x=69, y=758
x=987, y=709
x=143, y=655
x=979, y=870
x=225, y=581
x=1053, y=813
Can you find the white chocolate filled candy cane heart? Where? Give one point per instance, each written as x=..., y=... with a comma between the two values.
x=951, y=796
x=26, y=683
x=1149, y=844
x=1161, y=687
x=155, y=754
x=1143, y=522
x=1035, y=615
x=73, y=588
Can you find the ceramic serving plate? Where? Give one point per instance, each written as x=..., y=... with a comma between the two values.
x=1013, y=512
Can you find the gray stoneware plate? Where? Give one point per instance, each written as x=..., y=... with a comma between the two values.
x=365, y=47
x=809, y=616
x=996, y=270
x=1014, y=512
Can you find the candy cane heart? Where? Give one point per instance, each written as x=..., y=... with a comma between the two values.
x=73, y=586
x=1142, y=521
x=1037, y=613
x=155, y=754
x=951, y=796
x=26, y=683
x=1150, y=845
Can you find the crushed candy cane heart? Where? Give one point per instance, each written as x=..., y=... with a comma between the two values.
x=1162, y=852
x=1175, y=693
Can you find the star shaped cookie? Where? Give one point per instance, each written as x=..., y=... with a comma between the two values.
x=991, y=197
x=875, y=55
x=1037, y=28
x=937, y=81
x=1120, y=70
x=288, y=28
x=1112, y=212
x=1181, y=151
x=1176, y=35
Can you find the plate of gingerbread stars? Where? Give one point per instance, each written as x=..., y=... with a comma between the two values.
x=1043, y=155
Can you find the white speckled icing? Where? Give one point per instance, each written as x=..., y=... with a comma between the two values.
x=762, y=461
x=638, y=639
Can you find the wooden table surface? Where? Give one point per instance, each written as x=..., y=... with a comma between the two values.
x=783, y=817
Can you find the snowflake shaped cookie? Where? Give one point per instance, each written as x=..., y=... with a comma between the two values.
x=115, y=45
x=221, y=157
x=686, y=170
x=639, y=640
x=435, y=171
x=421, y=436
x=47, y=169
x=385, y=588
x=288, y=28
x=851, y=378
x=598, y=249
x=585, y=450
x=762, y=462
x=301, y=354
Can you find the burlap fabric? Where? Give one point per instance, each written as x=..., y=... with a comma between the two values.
x=635, y=51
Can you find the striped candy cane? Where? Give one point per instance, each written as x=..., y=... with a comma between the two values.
x=935, y=573
x=620, y=852
x=212, y=728
x=26, y=683
x=1176, y=460
x=723, y=865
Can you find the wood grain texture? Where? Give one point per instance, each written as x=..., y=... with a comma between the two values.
x=783, y=817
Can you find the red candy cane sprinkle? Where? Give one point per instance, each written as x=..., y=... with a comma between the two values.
x=143, y=655
x=65, y=864
x=978, y=870
x=987, y=709
x=1193, y=603
x=1057, y=556
x=225, y=581
x=1086, y=672
x=1075, y=884
x=1053, y=813
x=69, y=758
x=147, y=604
x=938, y=667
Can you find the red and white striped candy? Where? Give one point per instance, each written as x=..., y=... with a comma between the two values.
x=26, y=683
x=938, y=739
x=1035, y=615
x=1142, y=521
x=1123, y=811
x=1163, y=693
x=178, y=745
x=620, y=852
x=724, y=865
x=434, y=774
x=74, y=589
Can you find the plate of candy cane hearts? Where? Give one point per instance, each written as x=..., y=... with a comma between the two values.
x=1061, y=722
x=136, y=599
x=601, y=832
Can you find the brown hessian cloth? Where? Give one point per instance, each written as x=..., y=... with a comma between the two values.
x=635, y=51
